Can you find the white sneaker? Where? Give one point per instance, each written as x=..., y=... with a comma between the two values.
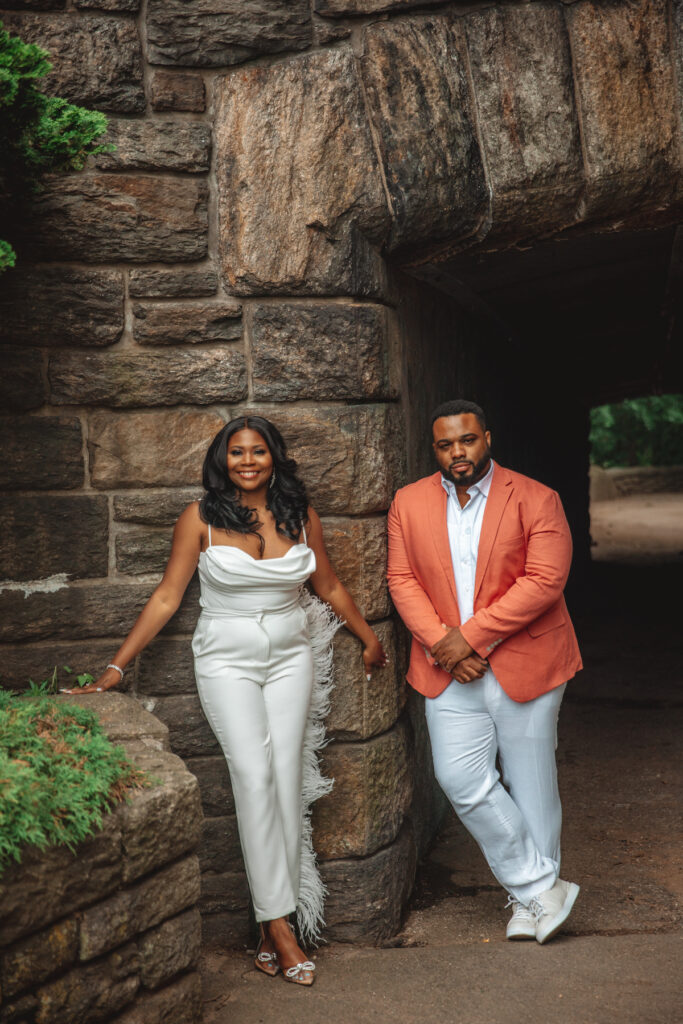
x=552, y=908
x=522, y=924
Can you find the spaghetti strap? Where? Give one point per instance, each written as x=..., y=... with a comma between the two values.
x=209, y=525
x=303, y=530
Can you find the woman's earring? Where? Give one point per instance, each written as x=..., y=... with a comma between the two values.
x=273, y=478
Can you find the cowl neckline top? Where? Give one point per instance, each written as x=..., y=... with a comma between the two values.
x=231, y=580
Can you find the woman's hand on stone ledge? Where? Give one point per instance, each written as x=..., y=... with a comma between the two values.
x=109, y=678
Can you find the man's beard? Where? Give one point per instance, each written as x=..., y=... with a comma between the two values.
x=479, y=469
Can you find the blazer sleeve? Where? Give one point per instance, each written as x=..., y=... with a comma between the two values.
x=548, y=559
x=411, y=600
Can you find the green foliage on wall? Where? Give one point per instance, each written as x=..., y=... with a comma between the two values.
x=39, y=134
x=638, y=432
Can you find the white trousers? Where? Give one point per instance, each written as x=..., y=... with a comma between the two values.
x=518, y=828
x=254, y=677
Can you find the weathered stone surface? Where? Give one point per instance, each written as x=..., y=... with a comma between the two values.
x=220, y=849
x=156, y=218
x=173, y=90
x=371, y=795
x=154, y=508
x=361, y=709
x=61, y=534
x=350, y=457
x=213, y=33
x=129, y=379
x=107, y=5
x=522, y=74
x=61, y=306
x=92, y=992
x=33, y=960
x=40, y=453
x=415, y=74
x=51, y=884
x=347, y=8
x=358, y=552
x=124, y=720
x=320, y=351
x=178, y=1003
x=170, y=948
x=166, y=668
x=38, y=661
x=142, y=551
x=224, y=892
x=214, y=785
x=96, y=61
x=114, y=921
x=227, y=929
x=157, y=146
x=186, y=323
x=627, y=99
x=148, y=449
x=189, y=730
x=312, y=239
x=22, y=387
x=366, y=896
x=33, y=5
x=160, y=824
x=172, y=284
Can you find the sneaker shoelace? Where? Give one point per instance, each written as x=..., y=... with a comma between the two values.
x=536, y=908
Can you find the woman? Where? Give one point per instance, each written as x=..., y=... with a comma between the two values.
x=256, y=540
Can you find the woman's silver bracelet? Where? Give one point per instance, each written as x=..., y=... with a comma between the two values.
x=119, y=670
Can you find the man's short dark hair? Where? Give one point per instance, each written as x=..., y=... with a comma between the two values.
x=457, y=408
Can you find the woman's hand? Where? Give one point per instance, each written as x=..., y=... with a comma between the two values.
x=374, y=656
x=109, y=678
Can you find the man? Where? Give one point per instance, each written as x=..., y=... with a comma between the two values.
x=478, y=559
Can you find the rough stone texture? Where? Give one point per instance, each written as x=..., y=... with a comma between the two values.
x=230, y=928
x=40, y=453
x=521, y=69
x=157, y=218
x=346, y=8
x=126, y=722
x=142, y=551
x=169, y=284
x=38, y=661
x=173, y=90
x=188, y=728
x=156, y=508
x=170, y=948
x=64, y=533
x=186, y=323
x=228, y=891
x=220, y=849
x=111, y=923
x=34, y=959
x=92, y=992
x=312, y=238
x=361, y=709
x=179, y=1003
x=358, y=552
x=96, y=61
x=126, y=380
x=349, y=456
x=148, y=449
x=165, y=668
x=371, y=795
x=61, y=306
x=214, y=785
x=216, y=33
x=320, y=352
x=627, y=99
x=366, y=896
x=22, y=387
x=157, y=146
x=415, y=74
x=107, y=5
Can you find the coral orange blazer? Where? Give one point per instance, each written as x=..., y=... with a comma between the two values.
x=520, y=622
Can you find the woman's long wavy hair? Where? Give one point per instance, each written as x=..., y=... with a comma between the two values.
x=287, y=498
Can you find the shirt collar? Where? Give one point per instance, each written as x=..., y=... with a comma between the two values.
x=483, y=485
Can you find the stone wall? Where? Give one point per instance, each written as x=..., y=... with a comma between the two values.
x=111, y=932
x=280, y=167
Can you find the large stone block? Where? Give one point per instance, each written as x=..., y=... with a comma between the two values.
x=126, y=723
x=328, y=351
x=190, y=733
x=371, y=795
x=350, y=457
x=127, y=6
x=522, y=74
x=92, y=992
x=349, y=8
x=61, y=534
x=157, y=146
x=225, y=892
x=32, y=960
x=172, y=284
x=362, y=708
x=22, y=387
x=358, y=552
x=170, y=948
x=156, y=217
x=227, y=930
x=366, y=896
x=186, y=323
x=177, y=1003
x=166, y=668
x=38, y=661
x=214, y=785
x=627, y=101
x=220, y=849
x=96, y=61
x=154, y=508
x=41, y=453
x=315, y=238
x=216, y=33
x=415, y=75
x=173, y=90
x=61, y=306
x=129, y=379
x=142, y=551
x=114, y=921
x=149, y=449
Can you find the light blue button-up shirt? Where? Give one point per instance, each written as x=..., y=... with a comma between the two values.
x=464, y=531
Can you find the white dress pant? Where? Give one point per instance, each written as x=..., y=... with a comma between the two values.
x=254, y=677
x=518, y=831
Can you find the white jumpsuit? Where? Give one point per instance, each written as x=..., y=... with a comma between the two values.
x=254, y=671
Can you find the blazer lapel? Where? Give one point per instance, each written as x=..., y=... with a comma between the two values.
x=499, y=494
x=439, y=527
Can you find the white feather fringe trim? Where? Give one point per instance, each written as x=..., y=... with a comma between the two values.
x=322, y=625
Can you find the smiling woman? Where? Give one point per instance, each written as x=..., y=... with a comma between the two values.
x=261, y=653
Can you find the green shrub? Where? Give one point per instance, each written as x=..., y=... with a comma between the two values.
x=638, y=432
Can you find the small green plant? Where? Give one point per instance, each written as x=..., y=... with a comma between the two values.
x=51, y=685
x=638, y=432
